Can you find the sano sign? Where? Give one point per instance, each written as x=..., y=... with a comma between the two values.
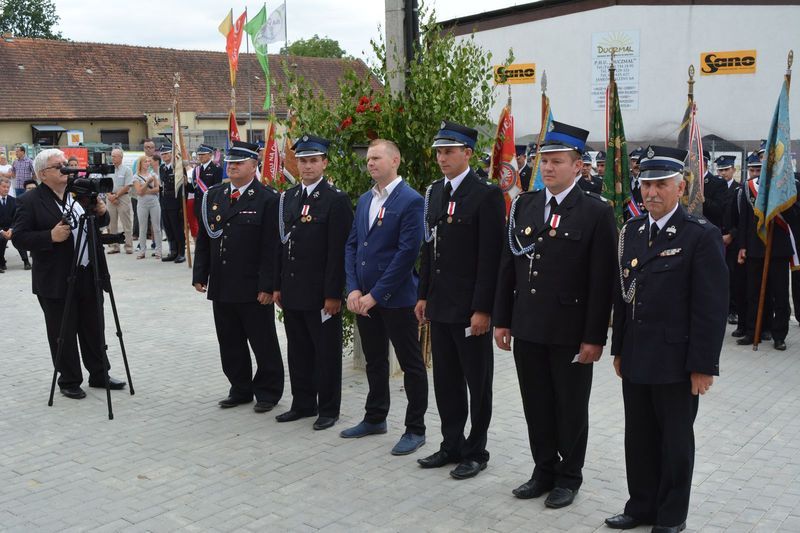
x=737, y=62
x=513, y=74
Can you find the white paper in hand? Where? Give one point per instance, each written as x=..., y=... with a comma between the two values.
x=468, y=332
x=323, y=315
x=576, y=358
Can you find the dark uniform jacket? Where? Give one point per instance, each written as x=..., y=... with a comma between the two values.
x=167, y=193
x=748, y=237
x=715, y=196
x=310, y=266
x=241, y=262
x=458, y=271
x=594, y=184
x=7, y=212
x=37, y=214
x=563, y=294
x=675, y=324
x=211, y=175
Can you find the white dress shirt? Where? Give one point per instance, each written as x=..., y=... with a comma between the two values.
x=379, y=198
x=663, y=220
x=242, y=189
x=455, y=182
x=559, y=198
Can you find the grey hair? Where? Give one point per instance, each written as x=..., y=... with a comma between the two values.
x=5, y=180
x=121, y=152
x=40, y=162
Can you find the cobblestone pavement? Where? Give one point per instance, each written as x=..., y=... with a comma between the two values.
x=171, y=459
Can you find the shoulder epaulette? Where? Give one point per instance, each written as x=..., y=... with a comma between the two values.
x=697, y=220
x=596, y=196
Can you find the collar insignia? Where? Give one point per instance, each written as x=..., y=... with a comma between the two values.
x=315, y=195
x=251, y=192
x=671, y=231
x=641, y=228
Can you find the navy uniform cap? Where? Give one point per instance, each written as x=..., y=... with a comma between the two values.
x=453, y=134
x=637, y=154
x=241, y=151
x=659, y=162
x=520, y=149
x=587, y=158
x=563, y=137
x=753, y=160
x=532, y=147
x=205, y=149
x=762, y=147
x=706, y=155
x=310, y=145
x=725, y=161
x=165, y=149
x=600, y=157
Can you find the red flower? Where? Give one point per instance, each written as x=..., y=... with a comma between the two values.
x=346, y=123
x=364, y=100
x=360, y=108
x=377, y=108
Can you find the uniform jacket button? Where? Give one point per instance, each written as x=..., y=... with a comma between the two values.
x=533, y=291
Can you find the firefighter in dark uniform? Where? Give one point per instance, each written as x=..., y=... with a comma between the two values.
x=588, y=181
x=523, y=166
x=600, y=163
x=726, y=168
x=464, y=221
x=235, y=264
x=671, y=300
x=715, y=194
x=205, y=175
x=314, y=222
x=636, y=193
x=553, y=296
x=171, y=208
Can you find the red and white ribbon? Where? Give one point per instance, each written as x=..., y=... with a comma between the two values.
x=305, y=210
x=451, y=208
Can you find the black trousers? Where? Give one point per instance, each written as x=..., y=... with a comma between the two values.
x=135, y=229
x=400, y=327
x=796, y=294
x=659, y=450
x=173, y=226
x=84, y=319
x=731, y=260
x=460, y=364
x=22, y=253
x=237, y=325
x=315, y=361
x=739, y=287
x=555, y=397
x=777, y=295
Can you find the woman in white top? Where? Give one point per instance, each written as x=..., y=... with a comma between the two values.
x=147, y=185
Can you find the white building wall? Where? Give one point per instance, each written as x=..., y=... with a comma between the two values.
x=736, y=107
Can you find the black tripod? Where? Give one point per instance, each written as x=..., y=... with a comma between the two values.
x=87, y=239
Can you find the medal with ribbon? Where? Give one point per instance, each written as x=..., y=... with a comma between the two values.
x=380, y=216
x=451, y=210
x=555, y=220
x=305, y=217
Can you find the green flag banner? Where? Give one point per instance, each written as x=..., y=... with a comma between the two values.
x=257, y=29
x=616, y=186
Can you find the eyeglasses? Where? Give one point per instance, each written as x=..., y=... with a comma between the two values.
x=59, y=166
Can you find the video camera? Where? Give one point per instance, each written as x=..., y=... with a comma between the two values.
x=83, y=185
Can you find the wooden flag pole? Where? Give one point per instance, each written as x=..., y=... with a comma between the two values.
x=176, y=135
x=770, y=228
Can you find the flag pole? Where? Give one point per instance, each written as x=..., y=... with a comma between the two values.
x=285, y=28
x=770, y=227
x=249, y=84
x=177, y=135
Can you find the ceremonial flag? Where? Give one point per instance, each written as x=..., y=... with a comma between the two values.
x=689, y=139
x=503, y=167
x=257, y=29
x=178, y=149
x=271, y=167
x=233, y=129
x=233, y=37
x=276, y=25
x=290, y=170
x=537, y=183
x=777, y=191
x=616, y=180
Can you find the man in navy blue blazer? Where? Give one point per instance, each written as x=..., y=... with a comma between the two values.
x=381, y=250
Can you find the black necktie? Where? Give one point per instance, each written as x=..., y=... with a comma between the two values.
x=553, y=203
x=653, y=233
x=303, y=197
x=448, y=189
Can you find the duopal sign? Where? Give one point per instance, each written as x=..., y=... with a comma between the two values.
x=736, y=62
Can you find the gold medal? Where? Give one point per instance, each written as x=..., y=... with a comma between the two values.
x=212, y=226
x=552, y=233
x=218, y=218
x=634, y=262
x=303, y=219
x=626, y=272
x=379, y=222
x=449, y=220
x=214, y=207
x=308, y=218
x=528, y=230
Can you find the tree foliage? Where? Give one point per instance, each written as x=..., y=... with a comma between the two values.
x=315, y=46
x=29, y=18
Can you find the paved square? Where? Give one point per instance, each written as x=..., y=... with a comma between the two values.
x=172, y=460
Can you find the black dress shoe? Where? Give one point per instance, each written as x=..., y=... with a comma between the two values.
x=28, y=266
x=560, y=497
x=263, y=407
x=168, y=258
x=437, y=460
x=325, y=422
x=622, y=521
x=76, y=393
x=292, y=415
x=532, y=489
x=733, y=319
x=744, y=341
x=467, y=469
x=180, y=259
x=766, y=336
x=230, y=401
x=738, y=332
x=113, y=384
x=780, y=345
x=668, y=529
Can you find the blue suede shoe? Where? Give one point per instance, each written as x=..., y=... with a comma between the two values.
x=408, y=443
x=362, y=430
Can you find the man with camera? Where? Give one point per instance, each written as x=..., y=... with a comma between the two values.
x=46, y=223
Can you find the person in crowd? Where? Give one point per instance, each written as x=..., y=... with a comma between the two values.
x=120, y=208
x=147, y=186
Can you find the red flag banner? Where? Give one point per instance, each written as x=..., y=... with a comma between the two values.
x=233, y=129
x=271, y=169
x=504, y=161
x=233, y=42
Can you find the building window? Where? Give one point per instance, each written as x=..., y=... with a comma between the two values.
x=112, y=137
x=254, y=136
x=215, y=138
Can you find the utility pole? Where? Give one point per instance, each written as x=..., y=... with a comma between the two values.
x=402, y=33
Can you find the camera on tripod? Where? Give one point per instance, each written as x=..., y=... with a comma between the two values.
x=81, y=182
